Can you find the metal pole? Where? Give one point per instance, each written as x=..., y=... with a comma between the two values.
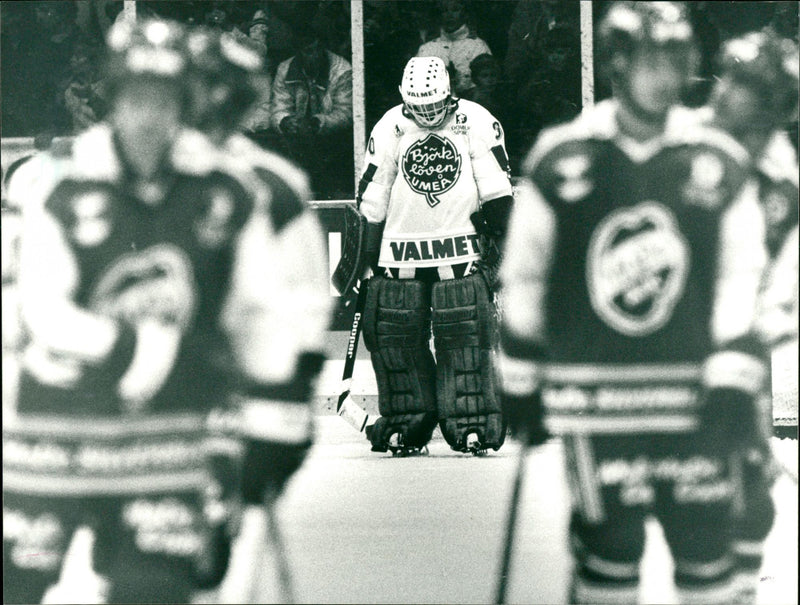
x=587, y=55
x=129, y=10
x=359, y=113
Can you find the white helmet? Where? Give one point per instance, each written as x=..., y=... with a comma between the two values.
x=426, y=90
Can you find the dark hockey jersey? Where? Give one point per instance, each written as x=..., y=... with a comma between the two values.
x=633, y=266
x=99, y=251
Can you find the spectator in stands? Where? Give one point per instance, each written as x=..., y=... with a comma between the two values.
x=37, y=43
x=486, y=74
x=542, y=69
x=312, y=110
x=83, y=94
x=258, y=29
x=531, y=20
x=257, y=120
x=553, y=91
x=457, y=45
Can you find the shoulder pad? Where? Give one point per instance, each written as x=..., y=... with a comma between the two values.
x=562, y=152
x=255, y=155
x=711, y=138
x=284, y=203
x=715, y=167
x=553, y=140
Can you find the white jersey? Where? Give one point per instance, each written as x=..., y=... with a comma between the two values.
x=425, y=183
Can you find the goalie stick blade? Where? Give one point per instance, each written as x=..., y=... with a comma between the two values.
x=353, y=413
x=348, y=270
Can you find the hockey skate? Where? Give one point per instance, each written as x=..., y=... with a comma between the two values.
x=474, y=446
x=400, y=450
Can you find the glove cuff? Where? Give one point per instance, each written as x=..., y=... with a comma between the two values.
x=735, y=370
x=519, y=377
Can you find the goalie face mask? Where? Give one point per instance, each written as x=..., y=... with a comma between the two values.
x=425, y=89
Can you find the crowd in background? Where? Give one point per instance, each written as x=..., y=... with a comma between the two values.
x=521, y=59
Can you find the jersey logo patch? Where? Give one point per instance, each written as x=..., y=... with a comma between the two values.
x=431, y=167
x=703, y=188
x=214, y=228
x=92, y=219
x=157, y=282
x=636, y=268
x=573, y=180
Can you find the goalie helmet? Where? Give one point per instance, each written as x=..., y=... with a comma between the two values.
x=425, y=89
x=629, y=27
x=767, y=64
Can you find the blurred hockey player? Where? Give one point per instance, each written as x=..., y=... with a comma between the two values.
x=630, y=281
x=435, y=182
x=291, y=290
x=135, y=290
x=755, y=100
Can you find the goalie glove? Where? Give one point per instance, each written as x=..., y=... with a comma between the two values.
x=490, y=223
x=728, y=413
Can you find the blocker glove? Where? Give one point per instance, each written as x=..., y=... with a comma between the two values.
x=728, y=419
x=277, y=425
x=525, y=417
x=521, y=394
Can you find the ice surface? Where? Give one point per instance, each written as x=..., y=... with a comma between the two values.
x=363, y=527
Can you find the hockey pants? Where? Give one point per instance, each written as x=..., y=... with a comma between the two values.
x=616, y=482
x=145, y=546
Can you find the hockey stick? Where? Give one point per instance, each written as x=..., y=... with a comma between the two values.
x=348, y=409
x=511, y=522
x=285, y=582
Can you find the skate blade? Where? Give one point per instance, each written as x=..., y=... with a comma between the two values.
x=474, y=446
x=407, y=452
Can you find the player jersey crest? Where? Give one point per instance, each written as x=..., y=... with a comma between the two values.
x=216, y=226
x=155, y=282
x=431, y=167
x=92, y=220
x=703, y=187
x=638, y=262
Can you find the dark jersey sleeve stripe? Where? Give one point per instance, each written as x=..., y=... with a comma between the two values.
x=285, y=204
x=365, y=179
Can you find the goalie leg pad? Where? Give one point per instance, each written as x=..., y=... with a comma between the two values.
x=397, y=335
x=464, y=332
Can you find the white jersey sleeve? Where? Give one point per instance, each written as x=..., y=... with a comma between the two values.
x=279, y=304
x=488, y=152
x=380, y=166
x=61, y=331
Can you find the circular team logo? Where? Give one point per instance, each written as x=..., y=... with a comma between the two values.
x=636, y=268
x=155, y=283
x=431, y=167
